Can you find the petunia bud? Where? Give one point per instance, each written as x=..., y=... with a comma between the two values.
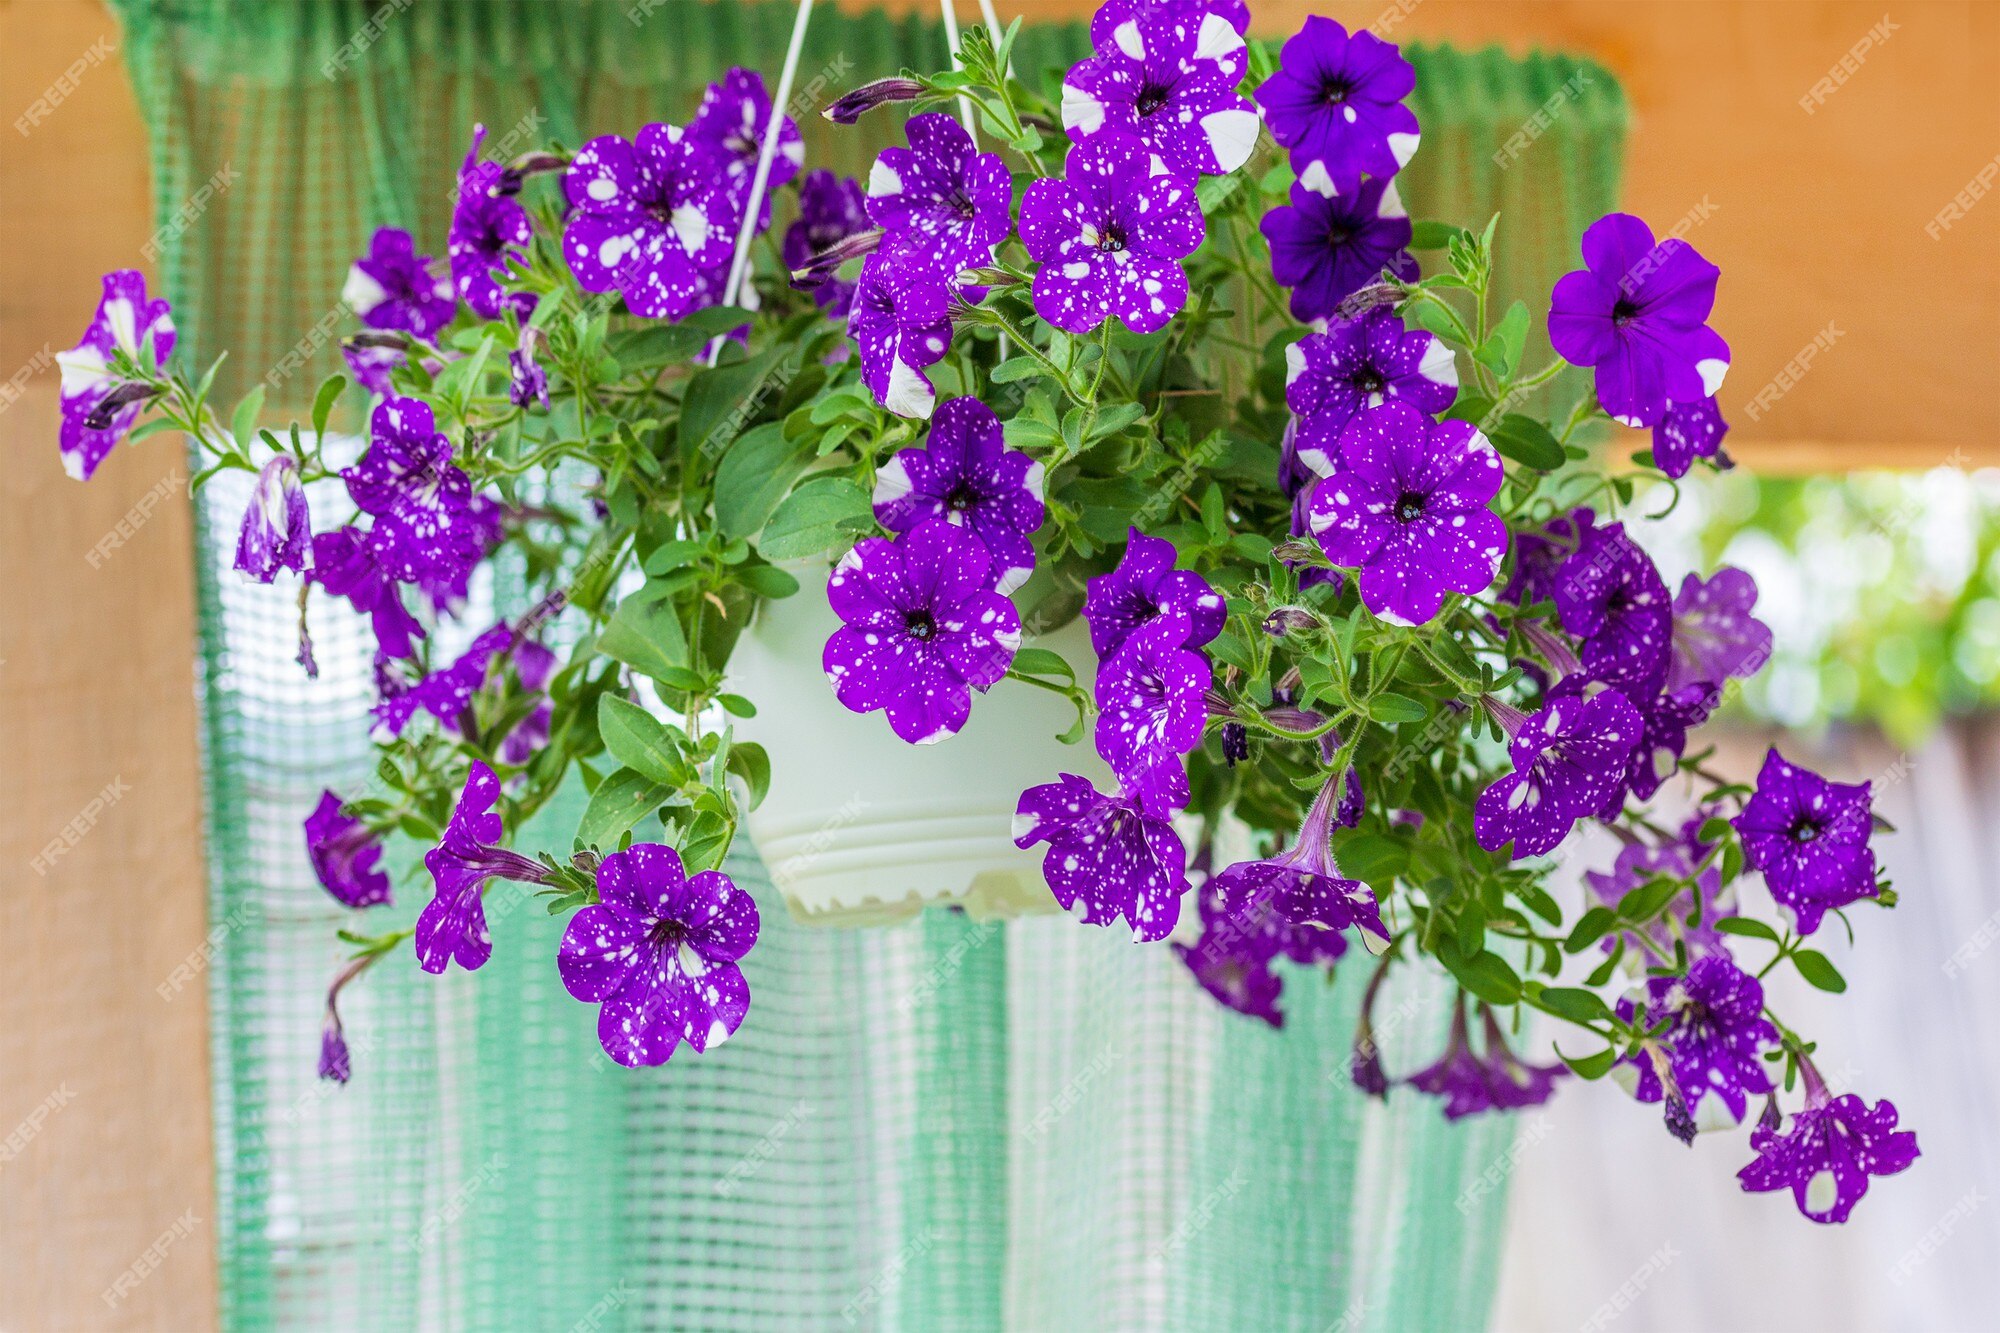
x=527, y=164
x=1235, y=743
x=277, y=529
x=1365, y=1066
x=120, y=398
x=1289, y=619
x=821, y=267
x=529, y=382
x=850, y=107
x=335, y=1061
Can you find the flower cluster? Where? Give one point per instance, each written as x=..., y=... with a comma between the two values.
x=1397, y=640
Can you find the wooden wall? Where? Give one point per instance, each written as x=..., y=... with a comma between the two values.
x=1831, y=224
x=106, y=1175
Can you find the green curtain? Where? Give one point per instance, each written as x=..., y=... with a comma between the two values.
x=943, y=1125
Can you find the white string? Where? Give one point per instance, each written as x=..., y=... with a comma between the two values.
x=740, y=264
x=951, y=44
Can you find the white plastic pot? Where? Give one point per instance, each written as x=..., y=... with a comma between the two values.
x=861, y=828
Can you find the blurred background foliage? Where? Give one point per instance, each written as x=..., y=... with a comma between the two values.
x=1882, y=588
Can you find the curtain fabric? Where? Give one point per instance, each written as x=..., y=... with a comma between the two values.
x=942, y=1125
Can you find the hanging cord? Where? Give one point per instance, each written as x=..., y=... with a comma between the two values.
x=965, y=103
x=739, y=266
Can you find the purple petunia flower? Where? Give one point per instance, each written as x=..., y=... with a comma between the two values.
x=335, y=1060
x=646, y=217
x=1303, y=885
x=394, y=287
x=1569, y=760
x=901, y=323
x=1497, y=1081
x=345, y=565
x=1108, y=857
x=1714, y=1039
x=346, y=855
x=1637, y=312
x=941, y=197
x=1666, y=718
x=1326, y=250
x=1151, y=711
x=1540, y=553
x=1610, y=595
x=1675, y=858
x=1685, y=432
x=534, y=664
x=444, y=587
x=1337, y=103
x=1167, y=78
x=452, y=926
x=1715, y=638
x=922, y=628
x=1146, y=587
x=831, y=209
x=1357, y=364
x=487, y=232
x=1110, y=236
x=277, y=529
x=658, y=953
x=851, y=106
x=1809, y=837
x=1834, y=1145
x=106, y=376
x=731, y=124
x=1114, y=14
x=1407, y=505
x=421, y=500
x=1233, y=962
x=965, y=475
x=444, y=694
x=527, y=379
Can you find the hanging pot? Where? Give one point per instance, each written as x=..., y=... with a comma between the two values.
x=861, y=828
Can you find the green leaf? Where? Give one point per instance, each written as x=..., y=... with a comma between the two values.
x=1485, y=974
x=1395, y=708
x=1428, y=235
x=243, y=426
x=767, y=581
x=1539, y=902
x=753, y=476
x=654, y=346
x=329, y=392
x=1714, y=829
x=620, y=801
x=1471, y=408
x=1042, y=662
x=645, y=634
x=1591, y=927
x=704, y=840
x=720, y=402
x=1528, y=442
x=671, y=556
x=1372, y=857
x=1501, y=352
x=1017, y=368
x=1746, y=925
x=748, y=761
x=1815, y=968
x=815, y=517
x=1591, y=1066
x=640, y=741
x=1575, y=1004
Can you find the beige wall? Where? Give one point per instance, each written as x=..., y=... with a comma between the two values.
x=1817, y=219
x=105, y=1150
